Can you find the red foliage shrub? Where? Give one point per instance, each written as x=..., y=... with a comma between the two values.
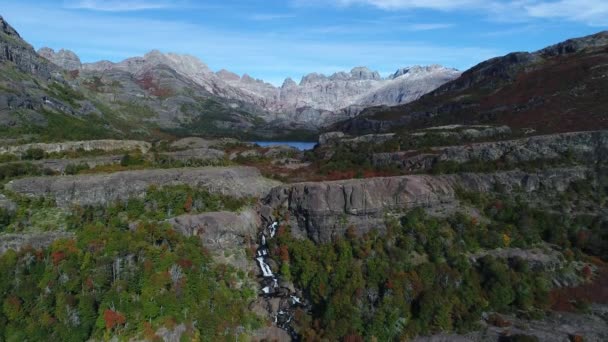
x=587, y=272
x=57, y=257
x=353, y=338
x=185, y=263
x=284, y=253
x=188, y=204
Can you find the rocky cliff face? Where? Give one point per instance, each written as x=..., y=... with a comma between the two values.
x=15, y=50
x=324, y=211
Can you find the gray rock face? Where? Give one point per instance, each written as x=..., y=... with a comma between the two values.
x=17, y=242
x=222, y=232
x=537, y=259
x=322, y=211
x=72, y=146
x=219, y=230
x=203, y=154
x=588, y=147
x=322, y=100
x=556, y=326
x=105, y=188
x=14, y=49
x=60, y=165
x=65, y=59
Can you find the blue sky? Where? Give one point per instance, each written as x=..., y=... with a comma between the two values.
x=275, y=39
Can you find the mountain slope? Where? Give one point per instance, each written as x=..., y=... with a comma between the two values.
x=53, y=98
x=560, y=88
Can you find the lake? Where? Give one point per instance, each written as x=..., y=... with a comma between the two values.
x=300, y=145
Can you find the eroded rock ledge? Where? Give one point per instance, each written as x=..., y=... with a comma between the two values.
x=322, y=211
x=587, y=147
x=72, y=146
x=105, y=188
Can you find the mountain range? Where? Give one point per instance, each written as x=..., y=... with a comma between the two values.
x=317, y=101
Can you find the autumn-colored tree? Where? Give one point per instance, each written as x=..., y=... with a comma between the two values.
x=113, y=319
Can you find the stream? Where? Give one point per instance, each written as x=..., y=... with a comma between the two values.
x=281, y=299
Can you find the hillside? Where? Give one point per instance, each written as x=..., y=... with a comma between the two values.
x=557, y=89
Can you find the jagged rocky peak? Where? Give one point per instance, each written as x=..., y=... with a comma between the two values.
x=227, y=75
x=65, y=59
x=183, y=63
x=7, y=28
x=340, y=76
x=599, y=39
x=356, y=74
x=16, y=50
x=422, y=70
x=248, y=79
x=289, y=83
x=313, y=78
x=363, y=73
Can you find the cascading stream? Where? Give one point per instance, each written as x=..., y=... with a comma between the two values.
x=272, y=287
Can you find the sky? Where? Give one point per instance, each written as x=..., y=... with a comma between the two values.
x=273, y=39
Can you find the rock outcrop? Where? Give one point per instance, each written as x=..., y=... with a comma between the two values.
x=322, y=211
x=219, y=230
x=101, y=189
x=15, y=50
x=587, y=147
x=225, y=234
x=74, y=146
x=17, y=242
x=64, y=59
x=60, y=165
x=196, y=154
x=555, y=326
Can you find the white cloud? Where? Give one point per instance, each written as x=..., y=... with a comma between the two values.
x=407, y=4
x=118, y=5
x=592, y=12
x=589, y=12
x=429, y=26
x=271, y=16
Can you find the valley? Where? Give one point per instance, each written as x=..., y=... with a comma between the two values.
x=155, y=199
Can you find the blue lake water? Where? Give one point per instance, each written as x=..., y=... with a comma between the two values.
x=300, y=145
